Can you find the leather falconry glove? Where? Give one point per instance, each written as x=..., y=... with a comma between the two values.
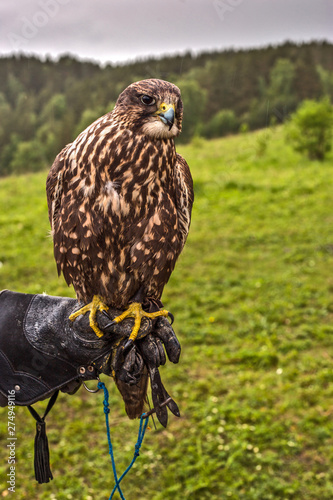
x=42, y=351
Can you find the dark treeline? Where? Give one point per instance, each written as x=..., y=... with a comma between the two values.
x=45, y=104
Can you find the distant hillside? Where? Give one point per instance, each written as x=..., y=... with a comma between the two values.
x=45, y=104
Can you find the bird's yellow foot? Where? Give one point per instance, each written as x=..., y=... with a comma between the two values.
x=135, y=311
x=93, y=307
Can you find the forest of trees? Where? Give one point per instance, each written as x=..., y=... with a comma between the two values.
x=45, y=104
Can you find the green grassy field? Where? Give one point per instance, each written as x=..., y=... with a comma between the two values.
x=252, y=297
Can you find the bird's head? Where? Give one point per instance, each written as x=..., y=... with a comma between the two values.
x=151, y=107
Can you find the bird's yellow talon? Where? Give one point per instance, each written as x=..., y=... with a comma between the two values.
x=135, y=311
x=93, y=307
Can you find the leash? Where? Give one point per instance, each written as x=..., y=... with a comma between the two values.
x=141, y=434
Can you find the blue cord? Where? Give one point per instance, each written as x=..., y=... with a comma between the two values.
x=141, y=434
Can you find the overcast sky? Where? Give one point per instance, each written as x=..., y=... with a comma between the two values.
x=119, y=30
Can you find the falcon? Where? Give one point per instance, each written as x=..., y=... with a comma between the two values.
x=120, y=201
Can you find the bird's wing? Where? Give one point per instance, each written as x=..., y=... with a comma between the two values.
x=184, y=196
x=54, y=188
x=79, y=202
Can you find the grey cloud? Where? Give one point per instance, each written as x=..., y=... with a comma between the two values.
x=119, y=30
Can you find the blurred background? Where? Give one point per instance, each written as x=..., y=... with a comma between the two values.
x=252, y=291
x=240, y=65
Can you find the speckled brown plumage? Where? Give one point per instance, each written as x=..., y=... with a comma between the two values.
x=120, y=200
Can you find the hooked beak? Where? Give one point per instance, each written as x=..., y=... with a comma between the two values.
x=166, y=113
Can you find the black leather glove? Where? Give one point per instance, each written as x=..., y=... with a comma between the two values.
x=41, y=350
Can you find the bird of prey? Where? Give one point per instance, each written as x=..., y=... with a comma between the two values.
x=120, y=201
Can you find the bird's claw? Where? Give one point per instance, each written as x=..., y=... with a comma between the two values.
x=171, y=316
x=93, y=307
x=112, y=322
x=128, y=346
x=136, y=312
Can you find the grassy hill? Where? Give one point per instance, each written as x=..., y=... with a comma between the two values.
x=252, y=297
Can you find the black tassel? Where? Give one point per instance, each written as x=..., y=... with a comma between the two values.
x=43, y=472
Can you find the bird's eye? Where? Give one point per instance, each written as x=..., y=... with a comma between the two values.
x=147, y=100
